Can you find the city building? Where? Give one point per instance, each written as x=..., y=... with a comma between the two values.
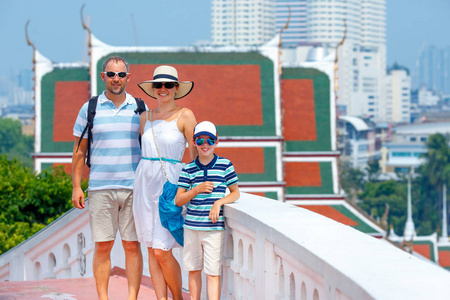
x=427, y=97
x=398, y=95
x=357, y=141
x=434, y=69
x=242, y=22
x=403, y=152
x=297, y=12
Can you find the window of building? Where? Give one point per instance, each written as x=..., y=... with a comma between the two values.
x=401, y=154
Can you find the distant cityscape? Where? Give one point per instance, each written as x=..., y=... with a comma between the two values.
x=381, y=96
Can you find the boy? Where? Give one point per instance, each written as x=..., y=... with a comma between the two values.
x=203, y=182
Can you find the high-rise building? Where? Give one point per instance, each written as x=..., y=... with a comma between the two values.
x=242, y=22
x=297, y=31
x=434, y=69
x=398, y=95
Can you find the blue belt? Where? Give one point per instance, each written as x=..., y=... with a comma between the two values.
x=174, y=161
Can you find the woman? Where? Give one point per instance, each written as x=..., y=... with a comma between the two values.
x=173, y=127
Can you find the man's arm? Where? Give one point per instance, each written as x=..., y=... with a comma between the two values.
x=78, y=162
x=184, y=196
x=230, y=198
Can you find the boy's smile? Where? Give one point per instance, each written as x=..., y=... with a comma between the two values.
x=205, y=150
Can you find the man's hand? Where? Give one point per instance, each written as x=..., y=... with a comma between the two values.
x=78, y=198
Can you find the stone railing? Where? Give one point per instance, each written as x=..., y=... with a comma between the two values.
x=279, y=251
x=273, y=250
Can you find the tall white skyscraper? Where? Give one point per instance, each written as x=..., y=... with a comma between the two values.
x=398, y=95
x=297, y=32
x=242, y=22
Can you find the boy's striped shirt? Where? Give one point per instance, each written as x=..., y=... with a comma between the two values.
x=221, y=172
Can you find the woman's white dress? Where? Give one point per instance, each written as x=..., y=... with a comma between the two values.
x=149, y=181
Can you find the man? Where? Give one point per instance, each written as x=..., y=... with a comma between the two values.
x=115, y=154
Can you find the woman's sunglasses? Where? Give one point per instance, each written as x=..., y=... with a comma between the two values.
x=168, y=85
x=201, y=141
x=112, y=74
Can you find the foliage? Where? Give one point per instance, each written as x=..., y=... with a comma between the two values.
x=30, y=201
x=426, y=189
x=14, y=234
x=377, y=194
x=352, y=180
x=373, y=169
x=13, y=144
x=437, y=165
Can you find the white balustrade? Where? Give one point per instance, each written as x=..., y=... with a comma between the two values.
x=273, y=250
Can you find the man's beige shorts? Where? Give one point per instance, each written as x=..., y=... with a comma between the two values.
x=203, y=250
x=110, y=210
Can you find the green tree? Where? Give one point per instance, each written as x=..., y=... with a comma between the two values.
x=30, y=201
x=352, y=180
x=376, y=195
x=13, y=143
x=373, y=169
x=436, y=168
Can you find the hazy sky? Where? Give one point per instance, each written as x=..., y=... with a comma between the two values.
x=55, y=27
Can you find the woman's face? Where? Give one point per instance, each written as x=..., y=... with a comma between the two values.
x=165, y=91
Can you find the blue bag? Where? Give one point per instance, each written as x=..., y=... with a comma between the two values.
x=170, y=213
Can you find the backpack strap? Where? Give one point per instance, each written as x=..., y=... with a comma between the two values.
x=140, y=109
x=90, y=123
x=92, y=106
x=140, y=106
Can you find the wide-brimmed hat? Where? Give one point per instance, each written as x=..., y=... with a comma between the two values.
x=167, y=74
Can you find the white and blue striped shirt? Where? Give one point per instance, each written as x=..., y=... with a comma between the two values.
x=115, y=151
x=221, y=172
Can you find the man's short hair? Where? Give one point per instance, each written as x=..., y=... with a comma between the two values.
x=116, y=59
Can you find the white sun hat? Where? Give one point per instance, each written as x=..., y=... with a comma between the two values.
x=167, y=74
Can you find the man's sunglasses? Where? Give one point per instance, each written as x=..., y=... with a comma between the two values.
x=112, y=74
x=202, y=141
x=168, y=85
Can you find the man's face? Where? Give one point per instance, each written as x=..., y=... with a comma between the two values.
x=115, y=85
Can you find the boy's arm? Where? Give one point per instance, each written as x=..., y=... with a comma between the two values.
x=184, y=196
x=230, y=198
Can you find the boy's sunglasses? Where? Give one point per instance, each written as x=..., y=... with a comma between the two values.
x=112, y=74
x=201, y=141
x=168, y=85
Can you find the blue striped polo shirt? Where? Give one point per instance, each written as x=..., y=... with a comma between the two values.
x=221, y=172
x=115, y=150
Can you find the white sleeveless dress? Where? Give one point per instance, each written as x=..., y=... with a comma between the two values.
x=149, y=181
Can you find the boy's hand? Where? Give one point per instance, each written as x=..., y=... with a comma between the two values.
x=205, y=187
x=215, y=212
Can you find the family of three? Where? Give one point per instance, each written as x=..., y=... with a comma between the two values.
x=131, y=153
